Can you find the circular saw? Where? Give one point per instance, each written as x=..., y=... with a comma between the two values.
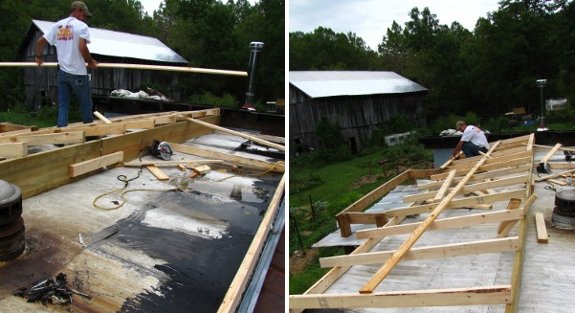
x=162, y=150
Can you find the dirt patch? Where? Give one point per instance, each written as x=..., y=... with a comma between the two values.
x=299, y=261
x=364, y=180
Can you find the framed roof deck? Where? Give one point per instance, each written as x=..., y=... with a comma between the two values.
x=60, y=186
x=457, y=242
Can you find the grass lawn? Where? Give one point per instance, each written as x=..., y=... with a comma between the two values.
x=44, y=117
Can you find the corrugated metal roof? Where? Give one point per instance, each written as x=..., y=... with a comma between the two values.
x=320, y=84
x=119, y=44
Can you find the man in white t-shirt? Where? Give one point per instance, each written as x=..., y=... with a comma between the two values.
x=71, y=37
x=472, y=141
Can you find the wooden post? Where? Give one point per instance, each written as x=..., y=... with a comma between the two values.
x=344, y=225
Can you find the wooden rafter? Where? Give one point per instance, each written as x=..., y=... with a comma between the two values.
x=411, y=298
x=504, y=176
x=444, y=223
x=429, y=252
x=396, y=257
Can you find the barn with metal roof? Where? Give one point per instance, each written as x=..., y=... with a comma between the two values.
x=358, y=101
x=106, y=46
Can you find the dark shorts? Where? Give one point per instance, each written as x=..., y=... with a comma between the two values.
x=470, y=149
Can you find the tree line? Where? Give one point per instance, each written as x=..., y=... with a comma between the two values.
x=207, y=33
x=489, y=70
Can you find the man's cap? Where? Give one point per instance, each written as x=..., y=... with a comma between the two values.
x=82, y=6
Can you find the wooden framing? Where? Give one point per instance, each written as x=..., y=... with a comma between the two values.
x=13, y=150
x=412, y=298
x=542, y=236
x=346, y=217
x=95, y=164
x=501, y=176
x=39, y=172
x=278, y=167
x=233, y=296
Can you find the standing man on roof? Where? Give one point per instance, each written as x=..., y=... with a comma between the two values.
x=472, y=141
x=71, y=37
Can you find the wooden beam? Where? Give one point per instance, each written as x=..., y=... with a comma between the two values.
x=444, y=223
x=430, y=252
x=278, y=167
x=13, y=150
x=70, y=137
x=517, y=272
x=244, y=273
x=201, y=169
x=160, y=175
x=404, y=248
x=184, y=69
x=446, y=184
x=368, y=199
x=521, y=179
x=496, y=160
x=102, y=117
x=555, y=175
x=365, y=217
x=34, y=138
x=560, y=165
x=99, y=129
x=560, y=148
x=542, y=236
x=450, y=160
x=6, y=127
x=557, y=182
x=550, y=154
x=169, y=163
x=95, y=164
x=490, y=167
x=506, y=227
x=480, y=176
x=14, y=133
x=140, y=124
x=409, y=298
x=276, y=139
x=458, y=203
x=167, y=119
x=512, y=205
x=236, y=133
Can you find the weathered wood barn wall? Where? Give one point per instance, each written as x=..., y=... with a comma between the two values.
x=41, y=86
x=359, y=102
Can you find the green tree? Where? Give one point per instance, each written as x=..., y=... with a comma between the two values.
x=325, y=49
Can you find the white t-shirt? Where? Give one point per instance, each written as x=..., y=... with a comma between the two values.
x=66, y=34
x=475, y=135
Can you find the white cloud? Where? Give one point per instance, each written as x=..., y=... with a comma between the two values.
x=369, y=19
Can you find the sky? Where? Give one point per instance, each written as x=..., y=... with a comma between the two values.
x=370, y=19
x=151, y=5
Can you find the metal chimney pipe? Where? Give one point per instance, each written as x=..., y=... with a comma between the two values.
x=255, y=48
x=541, y=84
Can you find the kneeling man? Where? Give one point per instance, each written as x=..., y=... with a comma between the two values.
x=472, y=141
